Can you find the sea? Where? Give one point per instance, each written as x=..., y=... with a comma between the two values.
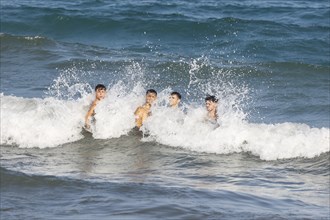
x=267, y=157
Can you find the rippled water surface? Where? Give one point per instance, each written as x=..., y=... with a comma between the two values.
x=267, y=62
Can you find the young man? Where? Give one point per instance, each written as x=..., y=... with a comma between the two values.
x=175, y=99
x=143, y=112
x=100, y=92
x=211, y=103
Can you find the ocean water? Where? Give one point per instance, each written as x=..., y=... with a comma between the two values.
x=268, y=62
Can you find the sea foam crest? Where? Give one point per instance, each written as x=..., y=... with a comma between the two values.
x=40, y=122
x=49, y=122
x=267, y=141
x=58, y=119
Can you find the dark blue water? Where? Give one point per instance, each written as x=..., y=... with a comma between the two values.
x=267, y=61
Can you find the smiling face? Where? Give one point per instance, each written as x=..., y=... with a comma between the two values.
x=100, y=94
x=174, y=100
x=150, y=97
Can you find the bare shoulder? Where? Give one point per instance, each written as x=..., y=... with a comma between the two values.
x=139, y=110
x=95, y=102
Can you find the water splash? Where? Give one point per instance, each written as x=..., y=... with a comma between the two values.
x=58, y=118
x=70, y=85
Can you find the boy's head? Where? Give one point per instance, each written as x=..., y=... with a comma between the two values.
x=151, y=96
x=100, y=86
x=211, y=103
x=100, y=91
x=175, y=99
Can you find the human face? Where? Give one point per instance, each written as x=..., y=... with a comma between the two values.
x=150, y=97
x=174, y=100
x=100, y=94
x=210, y=106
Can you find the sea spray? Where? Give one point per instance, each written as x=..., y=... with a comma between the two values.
x=267, y=141
x=59, y=118
x=70, y=84
x=40, y=122
x=114, y=116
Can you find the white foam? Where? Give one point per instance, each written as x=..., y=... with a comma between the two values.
x=268, y=141
x=235, y=134
x=50, y=122
x=53, y=121
x=40, y=122
x=115, y=115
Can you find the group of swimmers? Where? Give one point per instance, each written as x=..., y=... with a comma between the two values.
x=144, y=111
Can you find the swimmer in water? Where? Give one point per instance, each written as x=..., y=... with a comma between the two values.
x=211, y=103
x=175, y=99
x=144, y=111
x=100, y=93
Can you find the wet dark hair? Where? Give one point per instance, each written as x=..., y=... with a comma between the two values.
x=177, y=94
x=151, y=91
x=211, y=98
x=100, y=86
